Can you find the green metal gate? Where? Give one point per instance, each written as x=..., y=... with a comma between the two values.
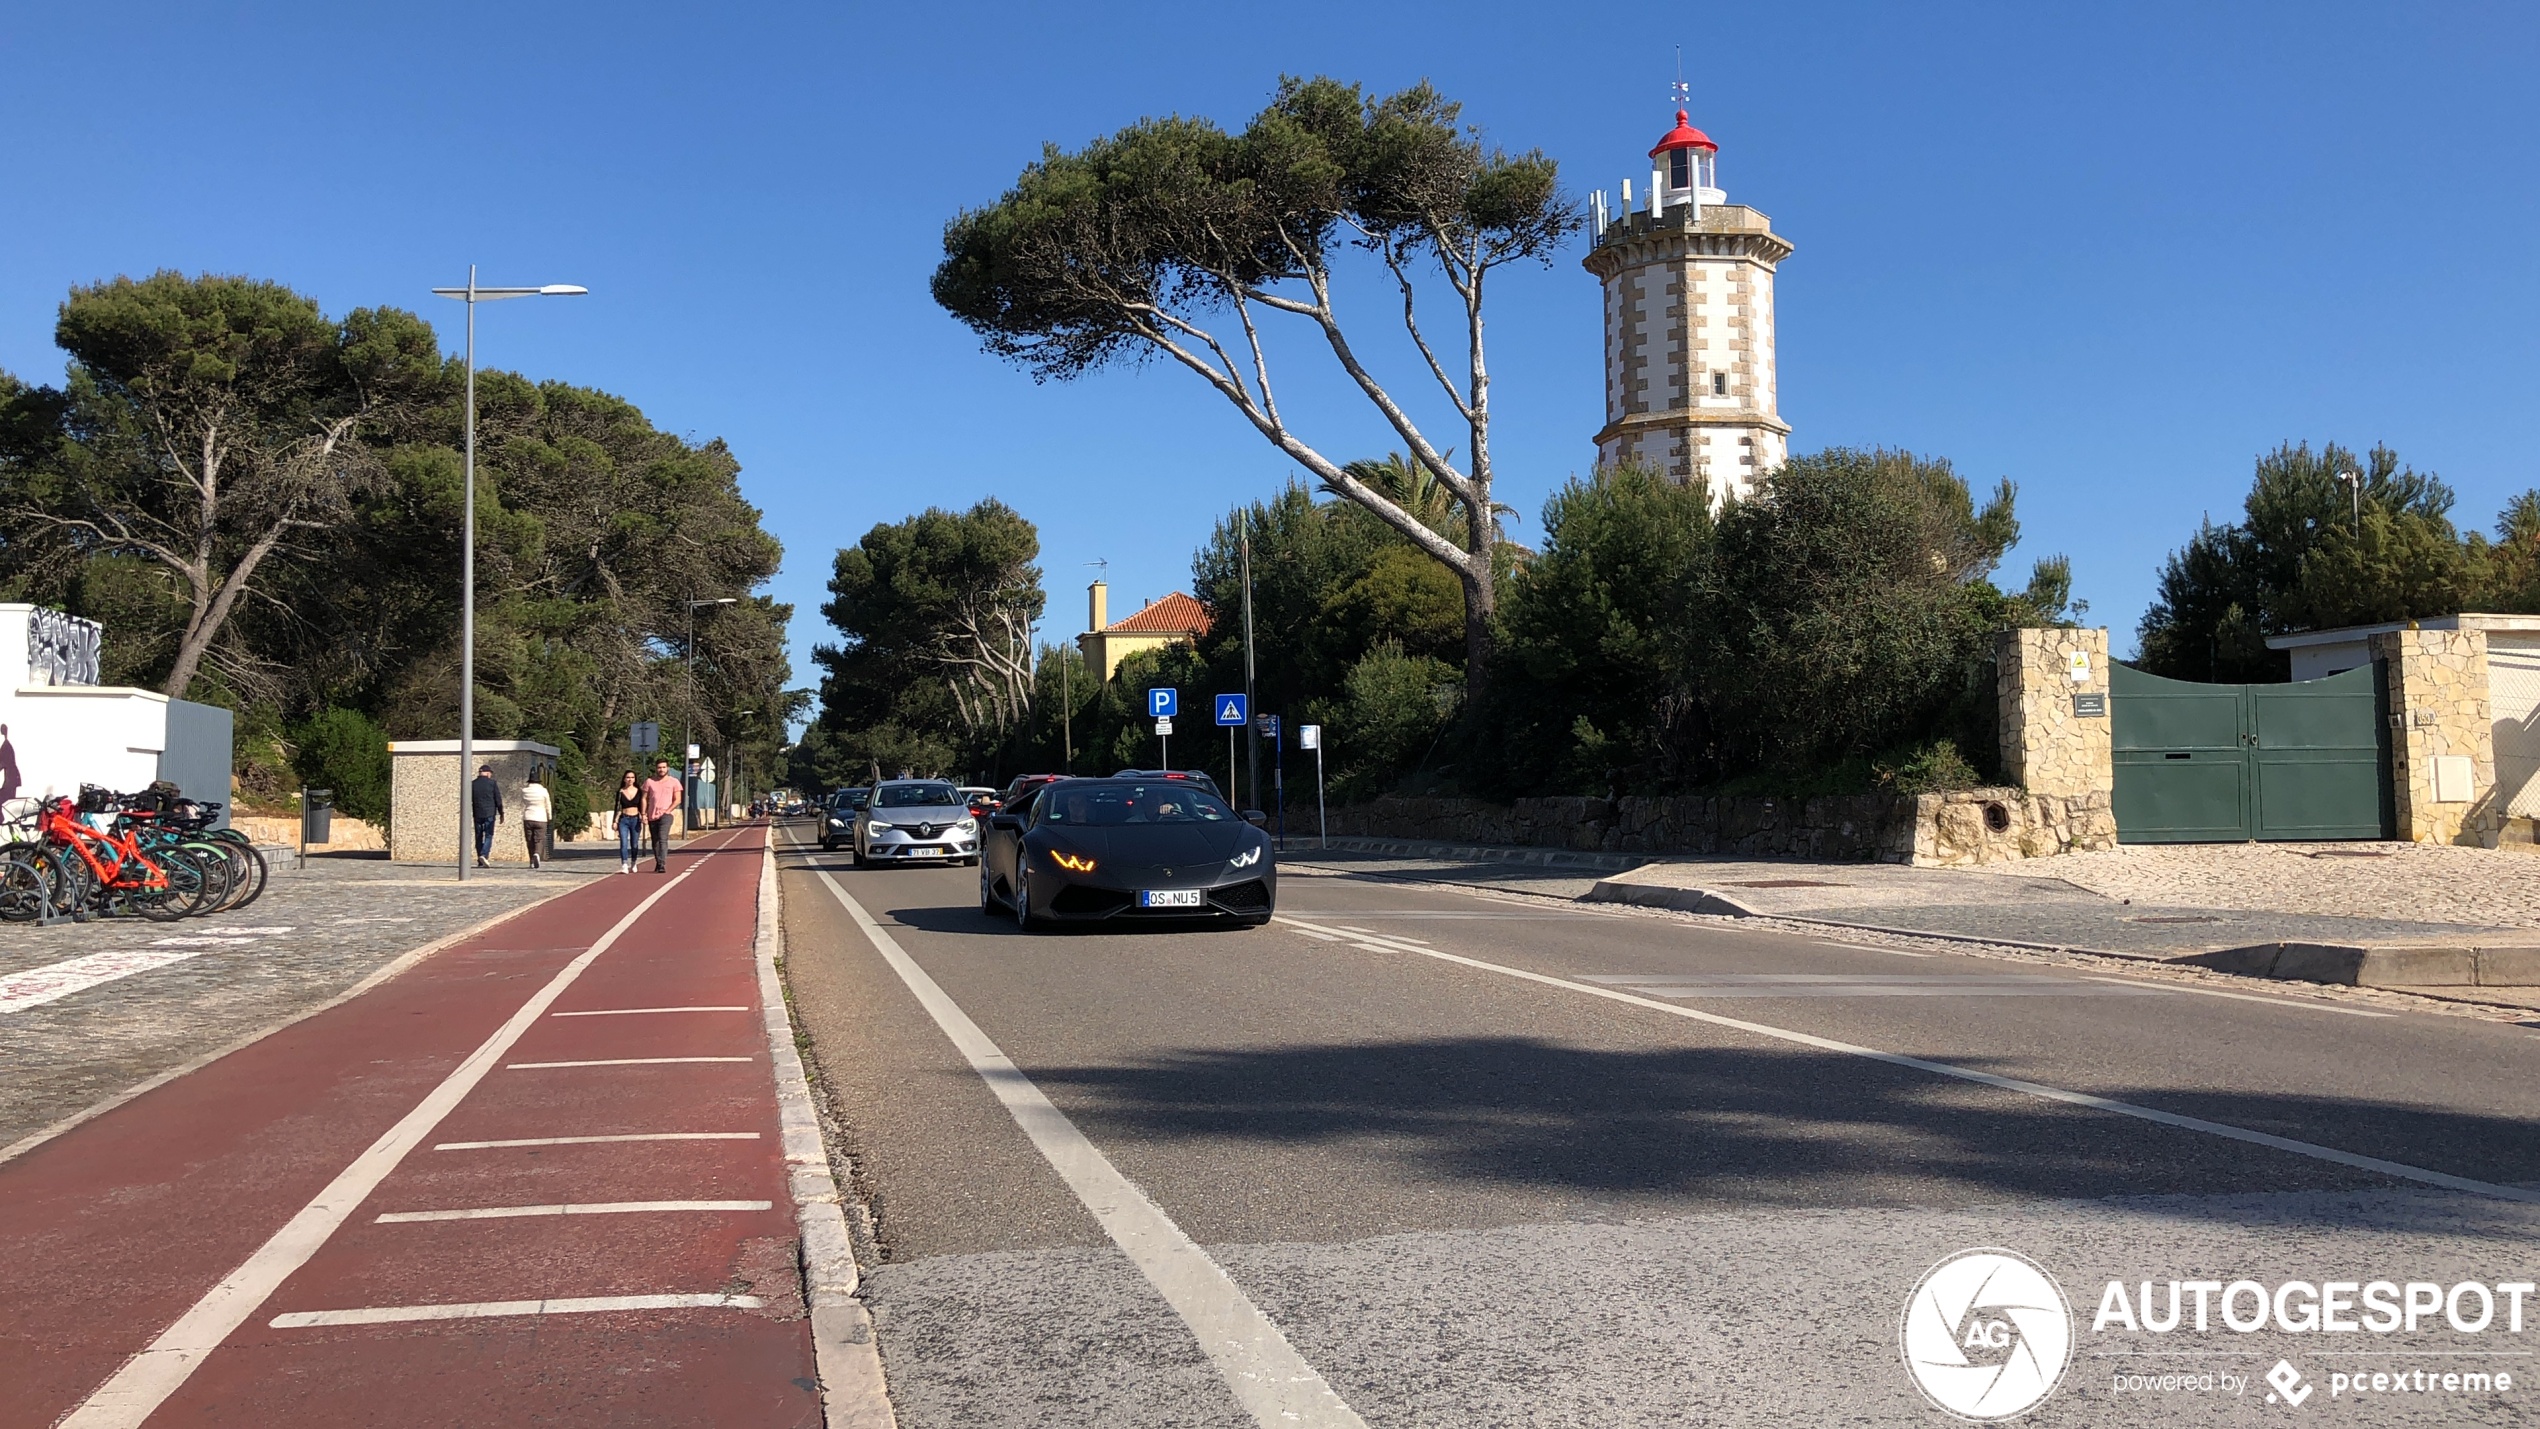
x=2224, y=763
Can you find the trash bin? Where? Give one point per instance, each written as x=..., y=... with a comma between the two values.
x=317, y=816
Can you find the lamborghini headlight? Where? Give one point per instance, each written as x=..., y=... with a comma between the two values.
x=1246, y=859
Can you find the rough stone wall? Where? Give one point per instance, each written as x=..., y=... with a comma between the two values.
x=2046, y=747
x=423, y=806
x=2436, y=681
x=1968, y=827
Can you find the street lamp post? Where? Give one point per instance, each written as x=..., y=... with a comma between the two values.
x=472, y=295
x=2355, y=489
x=688, y=737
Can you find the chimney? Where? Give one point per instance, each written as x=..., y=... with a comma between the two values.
x=1098, y=606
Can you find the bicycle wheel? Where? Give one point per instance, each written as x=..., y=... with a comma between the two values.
x=219, y=874
x=25, y=891
x=178, y=897
x=251, y=872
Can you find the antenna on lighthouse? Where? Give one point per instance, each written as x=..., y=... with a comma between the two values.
x=1681, y=94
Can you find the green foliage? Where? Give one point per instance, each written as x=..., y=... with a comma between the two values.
x=1395, y=708
x=339, y=441
x=2295, y=561
x=343, y=750
x=933, y=670
x=1847, y=609
x=1597, y=639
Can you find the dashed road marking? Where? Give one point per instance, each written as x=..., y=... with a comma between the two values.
x=598, y=1140
x=491, y=1309
x=593, y=1208
x=620, y=1062
x=37, y=986
x=2308, y=1004
x=635, y=1011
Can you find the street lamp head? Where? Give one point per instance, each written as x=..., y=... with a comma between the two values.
x=563, y=290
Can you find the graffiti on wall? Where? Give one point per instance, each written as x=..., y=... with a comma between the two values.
x=62, y=649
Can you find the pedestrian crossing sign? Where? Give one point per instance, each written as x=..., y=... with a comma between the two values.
x=1230, y=710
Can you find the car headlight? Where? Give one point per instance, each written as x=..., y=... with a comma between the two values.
x=1246, y=859
x=1073, y=863
x=876, y=826
x=967, y=826
x=837, y=823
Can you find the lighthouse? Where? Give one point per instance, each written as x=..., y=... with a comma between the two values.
x=1690, y=384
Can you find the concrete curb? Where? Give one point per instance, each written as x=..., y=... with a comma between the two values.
x=1474, y=853
x=2347, y=965
x=2364, y=965
x=852, y=1392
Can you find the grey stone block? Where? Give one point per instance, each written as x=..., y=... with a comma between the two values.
x=2509, y=967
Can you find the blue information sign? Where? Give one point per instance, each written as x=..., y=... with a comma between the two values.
x=1161, y=703
x=1230, y=710
x=1270, y=725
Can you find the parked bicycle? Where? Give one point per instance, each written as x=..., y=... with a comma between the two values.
x=154, y=857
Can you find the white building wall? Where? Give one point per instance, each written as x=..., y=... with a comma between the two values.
x=2513, y=697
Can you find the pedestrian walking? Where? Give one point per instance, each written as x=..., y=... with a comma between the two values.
x=630, y=820
x=536, y=808
x=485, y=801
x=662, y=796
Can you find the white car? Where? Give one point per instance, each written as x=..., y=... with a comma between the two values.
x=916, y=820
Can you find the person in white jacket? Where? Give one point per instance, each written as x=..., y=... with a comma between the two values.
x=536, y=807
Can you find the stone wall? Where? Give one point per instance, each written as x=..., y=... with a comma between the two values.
x=1967, y=827
x=345, y=832
x=2048, y=745
x=2436, y=681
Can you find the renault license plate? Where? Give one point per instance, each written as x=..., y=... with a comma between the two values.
x=1172, y=898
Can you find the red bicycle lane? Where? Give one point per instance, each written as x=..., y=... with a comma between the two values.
x=524, y=1182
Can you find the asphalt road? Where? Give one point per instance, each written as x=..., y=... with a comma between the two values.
x=1422, y=1156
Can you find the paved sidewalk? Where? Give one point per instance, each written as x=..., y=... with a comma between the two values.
x=536, y=1178
x=165, y=994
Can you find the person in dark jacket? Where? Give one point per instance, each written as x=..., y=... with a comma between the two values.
x=485, y=801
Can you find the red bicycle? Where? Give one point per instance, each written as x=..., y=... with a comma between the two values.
x=109, y=870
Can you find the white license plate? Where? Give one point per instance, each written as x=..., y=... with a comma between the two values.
x=1172, y=898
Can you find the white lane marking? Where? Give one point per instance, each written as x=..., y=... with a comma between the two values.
x=147, y=1379
x=635, y=1011
x=621, y=1062
x=1269, y=1378
x=2308, y=1004
x=37, y=986
x=489, y=1309
x=2040, y=1090
x=200, y=942
x=1321, y=937
x=588, y=1208
x=1833, y=979
x=1866, y=948
x=256, y=932
x=599, y=1140
x=1882, y=990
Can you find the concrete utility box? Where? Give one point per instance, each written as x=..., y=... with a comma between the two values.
x=423, y=799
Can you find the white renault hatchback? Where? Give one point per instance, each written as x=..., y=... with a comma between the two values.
x=916, y=820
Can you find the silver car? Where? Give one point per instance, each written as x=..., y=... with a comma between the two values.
x=913, y=820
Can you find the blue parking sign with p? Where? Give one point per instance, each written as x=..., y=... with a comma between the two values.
x=1161, y=702
x=1230, y=710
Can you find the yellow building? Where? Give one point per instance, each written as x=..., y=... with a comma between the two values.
x=1175, y=619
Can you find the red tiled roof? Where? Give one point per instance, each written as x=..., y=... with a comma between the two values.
x=1175, y=614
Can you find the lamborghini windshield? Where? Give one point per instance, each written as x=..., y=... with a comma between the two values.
x=1114, y=804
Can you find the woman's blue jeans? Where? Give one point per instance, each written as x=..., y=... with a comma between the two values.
x=630, y=837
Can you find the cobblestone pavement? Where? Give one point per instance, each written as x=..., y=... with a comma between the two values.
x=314, y=933
x=2435, y=882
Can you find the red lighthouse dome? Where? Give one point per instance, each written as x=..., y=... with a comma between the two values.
x=1684, y=136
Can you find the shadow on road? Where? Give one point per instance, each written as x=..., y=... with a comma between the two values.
x=1759, y=1126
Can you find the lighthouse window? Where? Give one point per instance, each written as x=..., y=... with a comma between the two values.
x=1679, y=168
x=1719, y=384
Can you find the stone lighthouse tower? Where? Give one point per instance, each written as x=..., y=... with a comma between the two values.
x=1690, y=386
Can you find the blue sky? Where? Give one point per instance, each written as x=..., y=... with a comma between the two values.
x=2110, y=252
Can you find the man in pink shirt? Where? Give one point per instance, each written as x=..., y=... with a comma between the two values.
x=662, y=796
